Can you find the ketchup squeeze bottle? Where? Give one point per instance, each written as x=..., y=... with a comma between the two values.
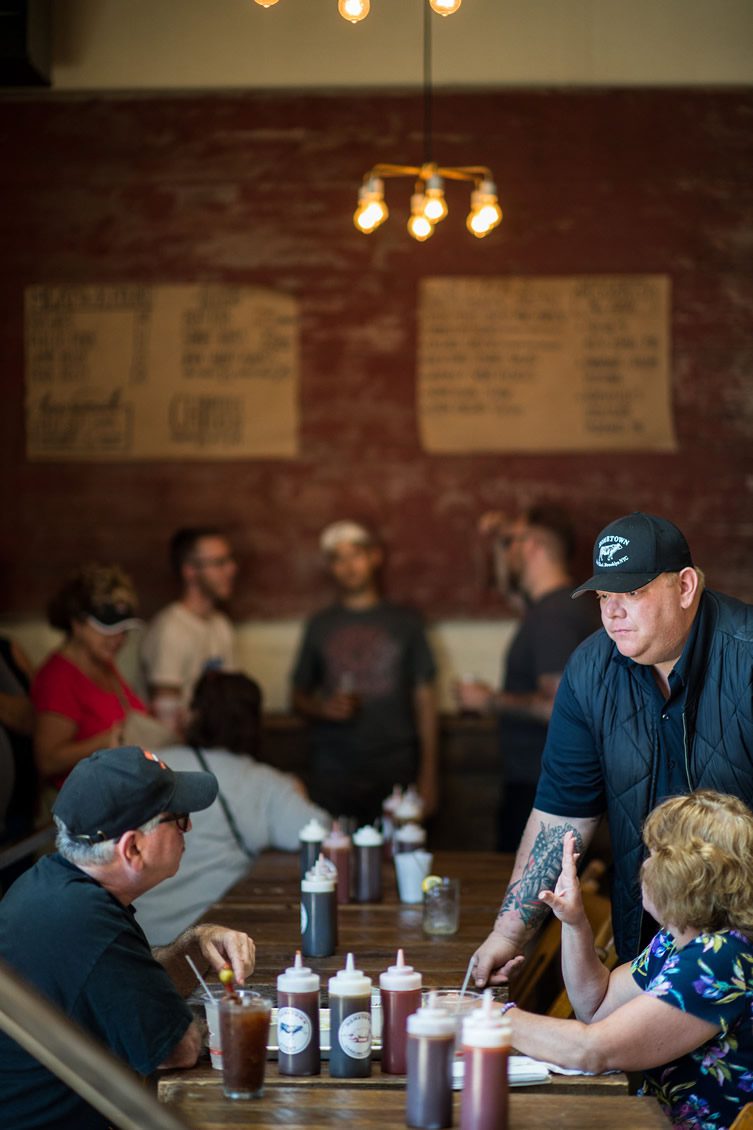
x=486, y=1047
x=400, y=988
x=430, y=1056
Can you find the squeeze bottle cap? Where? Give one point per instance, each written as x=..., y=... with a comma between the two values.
x=336, y=838
x=321, y=877
x=486, y=1027
x=350, y=982
x=312, y=831
x=411, y=834
x=400, y=976
x=298, y=978
x=410, y=807
x=432, y=1020
x=390, y=803
x=368, y=836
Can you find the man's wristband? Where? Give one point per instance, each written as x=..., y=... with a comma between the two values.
x=507, y=1006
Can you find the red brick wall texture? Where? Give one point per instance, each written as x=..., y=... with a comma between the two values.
x=260, y=189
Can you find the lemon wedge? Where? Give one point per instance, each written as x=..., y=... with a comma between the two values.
x=429, y=882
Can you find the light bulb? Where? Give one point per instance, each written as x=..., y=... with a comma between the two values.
x=485, y=213
x=418, y=225
x=444, y=7
x=354, y=10
x=266, y=3
x=372, y=210
x=435, y=205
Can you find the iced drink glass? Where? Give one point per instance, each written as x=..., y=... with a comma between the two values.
x=442, y=907
x=244, y=1029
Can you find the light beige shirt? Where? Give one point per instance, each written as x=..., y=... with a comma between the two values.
x=178, y=646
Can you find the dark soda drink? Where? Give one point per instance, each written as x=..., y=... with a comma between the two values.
x=244, y=1028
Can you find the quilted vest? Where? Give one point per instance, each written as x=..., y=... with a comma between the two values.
x=718, y=727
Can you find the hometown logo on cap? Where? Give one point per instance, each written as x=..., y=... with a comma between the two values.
x=610, y=555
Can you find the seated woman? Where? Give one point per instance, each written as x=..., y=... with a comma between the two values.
x=81, y=699
x=258, y=807
x=681, y=1011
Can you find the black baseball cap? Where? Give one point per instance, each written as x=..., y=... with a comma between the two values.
x=116, y=790
x=631, y=551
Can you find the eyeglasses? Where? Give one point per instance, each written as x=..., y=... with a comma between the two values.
x=182, y=819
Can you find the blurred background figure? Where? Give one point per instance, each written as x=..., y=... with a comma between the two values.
x=82, y=702
x=364, y=677
x=257, y=806
x=533, y=555
x=192, y=634
x=18, y=777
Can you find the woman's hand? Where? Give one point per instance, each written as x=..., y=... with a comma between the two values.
x=565, y=900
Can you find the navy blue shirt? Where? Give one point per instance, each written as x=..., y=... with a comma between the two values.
x=571, y=783
x=83, y=950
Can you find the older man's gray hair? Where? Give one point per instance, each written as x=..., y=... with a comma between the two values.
x=83, y=854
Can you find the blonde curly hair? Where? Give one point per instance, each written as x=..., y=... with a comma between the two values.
x=87, y=589
x=700, y=871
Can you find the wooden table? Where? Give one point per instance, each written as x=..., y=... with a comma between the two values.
x=310, y=1108
x=266, y=905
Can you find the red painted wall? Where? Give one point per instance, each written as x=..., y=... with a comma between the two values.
x=260, y=189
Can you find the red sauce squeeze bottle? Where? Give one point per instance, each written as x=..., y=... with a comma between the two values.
x=298, y=1020
x=400, y=989
x=431, y=1052
x=338, y=847
x=486, y=1047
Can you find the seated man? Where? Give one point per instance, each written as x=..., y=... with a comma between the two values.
x=257, y=806
x=192, y=634
x=68, y=928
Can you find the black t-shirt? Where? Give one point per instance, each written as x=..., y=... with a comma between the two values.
x=548, y=634
x=84, y=951
x=381, y=654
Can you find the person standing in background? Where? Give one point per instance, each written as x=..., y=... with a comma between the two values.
x=192, y=634
x=364, y=677
x=533, y=555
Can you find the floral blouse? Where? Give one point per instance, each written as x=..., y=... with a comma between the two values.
x=710, y=977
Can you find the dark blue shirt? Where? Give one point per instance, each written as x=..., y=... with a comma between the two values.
x=84, y=951
x=571, y=783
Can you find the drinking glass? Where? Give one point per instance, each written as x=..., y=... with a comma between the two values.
x=442, y=907
x=244, y=1030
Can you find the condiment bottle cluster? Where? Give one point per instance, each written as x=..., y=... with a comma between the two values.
x=419, y=1040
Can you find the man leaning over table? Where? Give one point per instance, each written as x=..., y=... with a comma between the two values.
x=658, y=704
x=68, y=928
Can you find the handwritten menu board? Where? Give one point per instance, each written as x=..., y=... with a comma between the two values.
x=545, y=364
x=163, y=372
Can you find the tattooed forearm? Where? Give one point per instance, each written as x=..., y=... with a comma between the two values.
x=539, y=874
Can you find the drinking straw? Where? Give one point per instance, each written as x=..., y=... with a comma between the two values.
x=199, y=977
x=471, y=965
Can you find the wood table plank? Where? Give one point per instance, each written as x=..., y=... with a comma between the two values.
x=312, y=1108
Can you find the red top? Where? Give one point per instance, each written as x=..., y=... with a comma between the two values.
x=61, y=687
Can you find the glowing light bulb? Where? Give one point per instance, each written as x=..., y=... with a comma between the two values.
x=266, y=3
x=354, y=10
x=444, y=7
x=485, y=214
x=418, y=225
x=372, y=210
x=435, y=205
